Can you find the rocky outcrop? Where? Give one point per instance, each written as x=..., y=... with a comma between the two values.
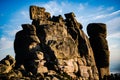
x=64, y=44
x=53, y=48
x=98, y=33
x=7, y=64
x=26, y=42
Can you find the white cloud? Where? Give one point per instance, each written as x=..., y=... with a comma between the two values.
x=114, y=47
x=114, y=13
x=25, y=14
x=9, y=30
x=3, y=39
x=5, y=43
x=12, y=32
x=53, y=7
x=61, y=8
x=21, y=17
x=114, y=35
x=100, y=16
x=113, y=25
x=107, y=15
x=114, y=22
x=114, y=53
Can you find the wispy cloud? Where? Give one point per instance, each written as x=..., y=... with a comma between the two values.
x=107, y=15
x=13, y=32
x=25, y=14
x=5, y=43
x=53, y=7
x=114, y=40
x=113, y=25
x=114, y=53
x=99, y=14
x=104, y=9
x=114, y=13
x=19, y=17
x=9, y=30
x=115, y=35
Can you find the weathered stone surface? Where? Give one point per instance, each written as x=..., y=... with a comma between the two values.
x=97, y=29
x=38, y=13
x=54, y=48
x=7, y=64
x=97, y=33
x=57, y=38
x=85, y=72
x=68, y=65
x=36, y=66
x=64, y=44
x=25, y=44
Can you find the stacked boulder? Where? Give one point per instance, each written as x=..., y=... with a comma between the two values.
x=27, y=50
x=98, y=33
x=65, y=46
x=7, y=64
x=55, y=48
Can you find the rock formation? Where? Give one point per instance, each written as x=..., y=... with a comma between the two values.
x=98, y=33
x=56, y=48
x=25, y=41
x=7, y=64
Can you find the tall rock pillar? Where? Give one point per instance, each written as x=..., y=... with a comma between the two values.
x=97, y=33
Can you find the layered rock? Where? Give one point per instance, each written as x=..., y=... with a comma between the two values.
x=55, y=48
x=27, y=50
x=25, y=41
x=98, y=33
x=65, y=46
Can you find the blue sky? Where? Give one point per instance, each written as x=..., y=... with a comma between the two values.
x=13, y=13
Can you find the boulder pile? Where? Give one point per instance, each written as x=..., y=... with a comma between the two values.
x=54, y=48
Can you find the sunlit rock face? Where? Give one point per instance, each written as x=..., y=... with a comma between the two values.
x=7, y=64
x=64, y=44
x=53, y=48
